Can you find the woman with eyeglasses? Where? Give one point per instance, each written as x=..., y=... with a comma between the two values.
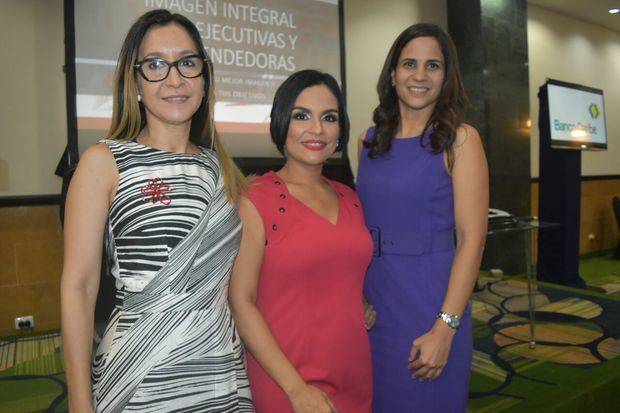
x=162, y=190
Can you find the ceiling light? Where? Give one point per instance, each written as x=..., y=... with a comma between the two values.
x=614, y=11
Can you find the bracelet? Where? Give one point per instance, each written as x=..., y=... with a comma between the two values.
x=452, y=320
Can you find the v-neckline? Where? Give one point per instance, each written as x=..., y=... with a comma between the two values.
x=303, y=205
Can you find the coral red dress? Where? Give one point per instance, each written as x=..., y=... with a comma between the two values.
x=310, y=294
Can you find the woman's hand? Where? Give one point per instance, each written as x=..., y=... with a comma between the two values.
x=370, y=315
x=309, y=399
x=429, y=352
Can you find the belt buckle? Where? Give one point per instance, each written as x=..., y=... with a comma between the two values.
x=375, y=234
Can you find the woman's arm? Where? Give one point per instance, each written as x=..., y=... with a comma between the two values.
x=370, y=315
x=252, y=326
x=87, y=205
x=470, y=181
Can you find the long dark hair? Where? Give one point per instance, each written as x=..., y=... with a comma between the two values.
x=129, y=114
x=284, y=101
x=449, y=109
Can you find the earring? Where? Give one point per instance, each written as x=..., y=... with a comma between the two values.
x=139, y=97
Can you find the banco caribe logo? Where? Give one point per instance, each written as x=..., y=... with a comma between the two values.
x=594, y=111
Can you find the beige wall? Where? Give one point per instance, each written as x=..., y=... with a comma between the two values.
x=564, y=48
x=370, y=27
x=30, y=267
x=33, y=129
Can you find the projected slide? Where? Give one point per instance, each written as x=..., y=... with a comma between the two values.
x=254, y=45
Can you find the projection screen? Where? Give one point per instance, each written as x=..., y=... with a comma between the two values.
x=254, y=46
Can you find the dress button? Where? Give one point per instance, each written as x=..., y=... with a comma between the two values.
x=266, y=242
x=282, y=196
x=277, y=182
x=356, y=206
x=274, y=227
x=282, y=210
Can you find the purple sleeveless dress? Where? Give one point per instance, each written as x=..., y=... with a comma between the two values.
x=409, y=208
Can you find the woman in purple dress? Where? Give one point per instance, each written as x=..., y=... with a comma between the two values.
x=423, y=182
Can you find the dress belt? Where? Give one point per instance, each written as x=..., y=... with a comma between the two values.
x=410, y=243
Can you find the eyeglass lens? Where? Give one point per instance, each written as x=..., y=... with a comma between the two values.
x=157, y=69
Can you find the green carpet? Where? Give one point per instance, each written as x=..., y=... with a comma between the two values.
x=600, y=270
x=31, y=374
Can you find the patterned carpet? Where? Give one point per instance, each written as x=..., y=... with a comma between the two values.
x=573, y=368
x=575, y=357
x=31, y=375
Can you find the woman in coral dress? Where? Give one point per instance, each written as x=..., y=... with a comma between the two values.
x=296, y=289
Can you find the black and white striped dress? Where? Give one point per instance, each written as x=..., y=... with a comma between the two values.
x=171, y=343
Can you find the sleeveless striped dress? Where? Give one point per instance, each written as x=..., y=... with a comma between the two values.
x=172, y=236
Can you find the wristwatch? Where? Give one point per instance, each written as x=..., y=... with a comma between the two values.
x=451, y=320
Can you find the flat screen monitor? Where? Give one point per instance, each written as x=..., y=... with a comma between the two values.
x=576, y=116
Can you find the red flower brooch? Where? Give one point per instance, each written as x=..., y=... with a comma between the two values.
x=156, y=191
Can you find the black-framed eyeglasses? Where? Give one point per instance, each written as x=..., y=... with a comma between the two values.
x=156, y=69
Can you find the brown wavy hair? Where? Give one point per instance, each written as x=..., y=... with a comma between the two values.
x=449, y=109
x=129, y=115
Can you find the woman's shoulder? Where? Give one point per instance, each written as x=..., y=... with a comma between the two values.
x=209, y=152
x=99, y=153
x=116, y=144
x=344, y=190
x=366, y=134
x=261, y=181
x=120, y=147
x=466, y=132
x=267, y=196
x=98, y=162
x=262, y=186
x=468, y=148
